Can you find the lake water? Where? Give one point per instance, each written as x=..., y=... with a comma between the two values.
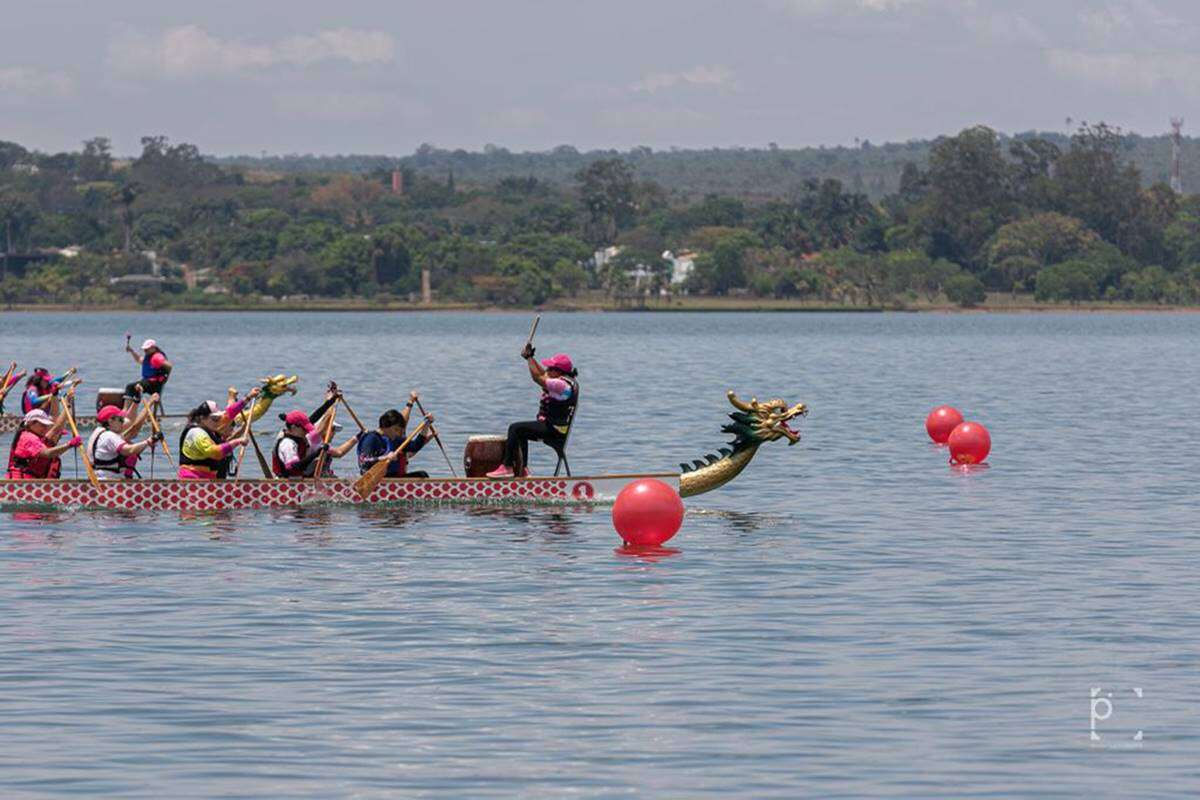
x=850, y=618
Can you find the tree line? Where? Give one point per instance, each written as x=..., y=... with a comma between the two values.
x=1058, y=219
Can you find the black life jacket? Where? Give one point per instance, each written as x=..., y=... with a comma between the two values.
x=557, y=413
x=219, y=466
x=279, y=468
x=24, y=468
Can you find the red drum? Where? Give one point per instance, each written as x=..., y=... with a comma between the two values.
x=483, y=454
x=107, y=396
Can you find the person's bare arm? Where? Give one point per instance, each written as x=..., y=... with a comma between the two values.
x=342, y=449
x=137, y=357
x=537, y=372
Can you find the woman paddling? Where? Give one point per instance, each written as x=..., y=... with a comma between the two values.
x=300, y=444
x=560, y=391
x=35, y=451
x=113, y=453
x=40, y=389
x=384, y=440
x=204, y=452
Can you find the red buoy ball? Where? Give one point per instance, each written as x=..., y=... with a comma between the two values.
x=969, y=443
x=941, y=421
x=647, y=513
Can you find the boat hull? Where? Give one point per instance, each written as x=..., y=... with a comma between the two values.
x=179, y=495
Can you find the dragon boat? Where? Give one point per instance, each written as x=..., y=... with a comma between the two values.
x=751, y=425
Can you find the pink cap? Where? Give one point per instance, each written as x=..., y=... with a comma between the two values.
x=37, y=415
x=146, y=345
x=157, y=360
x=299, y=419
x=108, y=412
x=558, y=361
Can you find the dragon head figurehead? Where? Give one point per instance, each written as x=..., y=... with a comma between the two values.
x=751, y=425
x=755, y=422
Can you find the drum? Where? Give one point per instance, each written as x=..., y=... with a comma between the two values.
x=107, y=396
x=483, y=454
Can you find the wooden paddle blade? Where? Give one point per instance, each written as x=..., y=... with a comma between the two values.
x=262, y=460
x=371, y=478
x=87, y=462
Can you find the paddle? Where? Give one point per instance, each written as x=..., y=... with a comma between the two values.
x=4, y=383
x=262, y=460
x=154, y=426
x=245, y=435
x=353, y=416
x=437, y=439
x=325, y=440
x=533, y=330
x=87, y=462
x=371, y=478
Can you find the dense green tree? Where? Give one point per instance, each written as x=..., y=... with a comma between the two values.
x=970, y=194
x=1182, y=235
x=966, y=290
x=1071, y=280
x=606, y=190
x=1020, y=249
x=95, y=162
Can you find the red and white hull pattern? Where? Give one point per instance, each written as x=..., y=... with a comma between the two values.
x=177, y=495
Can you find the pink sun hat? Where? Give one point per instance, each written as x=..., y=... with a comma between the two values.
x=108, y=412
x=560, y=362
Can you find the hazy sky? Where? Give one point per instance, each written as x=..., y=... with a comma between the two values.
x=383, y=76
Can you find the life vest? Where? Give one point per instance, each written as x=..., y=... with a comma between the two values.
x=218, y=465
x=152, y=375
x=20, y=468
x=125, y=466
x=279, y=468
x=557, y=413
x=372, y=440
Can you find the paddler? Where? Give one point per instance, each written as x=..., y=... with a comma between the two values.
x=380, y=443
x=113, y=453
x=35, y=452
x=155, y=371
x=560, y=391
x=204, y=452
x=299, y=445
x=40, y=389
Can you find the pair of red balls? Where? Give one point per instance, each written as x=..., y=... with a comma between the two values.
x=969, y=442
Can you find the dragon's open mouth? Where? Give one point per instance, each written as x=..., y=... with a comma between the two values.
x=781, y=425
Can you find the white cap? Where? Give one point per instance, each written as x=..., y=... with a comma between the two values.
x=214, y=410
x=146, y=345
x=37, y=415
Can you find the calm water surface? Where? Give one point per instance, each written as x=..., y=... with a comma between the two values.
x=850, y=618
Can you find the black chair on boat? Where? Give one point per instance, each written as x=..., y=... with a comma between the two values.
x=561, y=449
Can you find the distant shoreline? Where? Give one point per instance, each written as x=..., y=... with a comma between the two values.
x=1003, y=304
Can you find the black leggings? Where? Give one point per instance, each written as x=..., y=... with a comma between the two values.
x=520, y=434
x=134, y=391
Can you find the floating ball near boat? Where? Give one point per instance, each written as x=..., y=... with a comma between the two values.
x=969, y=443
x=647, y=513
x=941, y=422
